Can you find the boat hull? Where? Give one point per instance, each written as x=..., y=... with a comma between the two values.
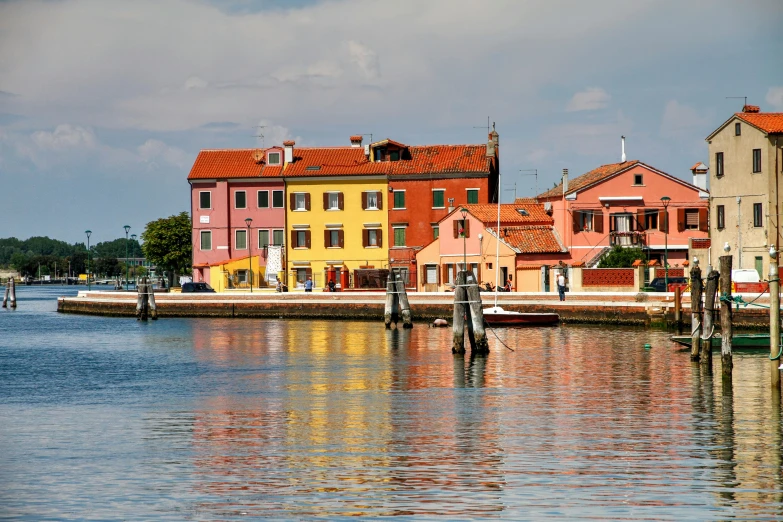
x=521, y=319
x=739, y=341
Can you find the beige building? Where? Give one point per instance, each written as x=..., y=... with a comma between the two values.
x=745, y=193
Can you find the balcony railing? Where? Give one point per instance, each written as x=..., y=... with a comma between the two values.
x=634, y=238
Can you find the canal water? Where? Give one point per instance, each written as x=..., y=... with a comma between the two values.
x=213, y=419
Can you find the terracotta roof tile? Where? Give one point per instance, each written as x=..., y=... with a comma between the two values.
x=521, y=201
x=510, y=213
x=332, y=161
x=432, y=159
x=540, y=239
x=222, y=164
x=595, y=175
x=769, y=122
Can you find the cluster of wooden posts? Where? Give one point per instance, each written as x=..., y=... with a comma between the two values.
x=703, y=330
x=396, y=302
x=145, y=303
x=9, y=299
x=468, y=312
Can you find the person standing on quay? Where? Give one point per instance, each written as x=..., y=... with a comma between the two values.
x=309, y=284
x=561, y=286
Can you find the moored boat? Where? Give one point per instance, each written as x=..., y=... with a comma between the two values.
x=497, y=316
x=738, y=341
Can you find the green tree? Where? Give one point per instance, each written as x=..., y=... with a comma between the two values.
x=108, y=266
x=620, y=257
x=168, y=245
x=116, y=248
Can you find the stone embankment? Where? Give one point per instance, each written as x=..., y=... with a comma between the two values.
x=584, y=307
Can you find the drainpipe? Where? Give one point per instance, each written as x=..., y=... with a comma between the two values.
x=739, y=231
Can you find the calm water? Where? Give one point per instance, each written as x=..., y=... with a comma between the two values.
x=200, y=419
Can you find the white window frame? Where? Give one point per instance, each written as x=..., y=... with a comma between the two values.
x=304, y=239
x=236, y=238
x=282, y=234
x=268, y=203
x=269, y=158
x=201, y=240
x=376, y=193
x=236, y=193
x=268, y=237
x=297, y=208
x=467, y=194
x=433, y=198
x=282, y=200
x=375, y=232
x=332, y=236
x=336, y=200
x=210, y=199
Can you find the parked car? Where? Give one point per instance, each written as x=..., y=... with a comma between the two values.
x=747, y=280
x=659, y=283
x=196, y=287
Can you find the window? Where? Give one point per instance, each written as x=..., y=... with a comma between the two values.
x=757, y=216
x=638, y=179
x=263, y=238
x=461, y=228
x=241, y=242
x=737, y=129
x=399, y=199
x=691, y=219
x=721, y=217
x=277, y=199
x=301, y=239
x=651, y=220
x=719, y=164
x=299, y=203
x=263, y=199
x=372, y=200
x=277, y=237
x=372, y=238
x=333, y=201
x=273, y=158
x=399, y=235
x=301, y=275
x=242, y=276
x=756, y=160
x=206, y=240
x=205, y=199
x=586, y=221
x=473, y=196
x=333, y=239
x=435, y=231
x=240, y=199
x=438, y=198
x=394, y=155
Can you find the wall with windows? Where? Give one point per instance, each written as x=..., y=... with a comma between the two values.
x=335, y=222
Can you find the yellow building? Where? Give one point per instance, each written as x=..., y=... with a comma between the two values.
x=231, y=274
x=336, y=217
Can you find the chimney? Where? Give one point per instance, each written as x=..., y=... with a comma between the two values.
x=289, y=151
x=751, y=108
x=622, y=146
x=356, y=141
x=490, y=147
x=494, y=136
x=565, y=181
x=700, y=175
x=451, y=204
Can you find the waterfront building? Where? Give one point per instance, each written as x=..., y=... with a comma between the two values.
x=529, y=245
x=625, y=204
x=228, y=187
x=745, y=152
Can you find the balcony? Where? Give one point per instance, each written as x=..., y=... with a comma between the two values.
x=634, y=238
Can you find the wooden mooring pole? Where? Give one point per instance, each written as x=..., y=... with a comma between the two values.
x=458, y=321
x=468, y=312
x=695, y=310
x=708, y=328
x=678, y=308
x=402, y=303
x=7, y=293
x=725, y=315
x=775, y=347
x=390, y=310
x=145, y=302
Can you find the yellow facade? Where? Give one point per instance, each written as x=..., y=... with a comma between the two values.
x=344, y=236
x=220, y=273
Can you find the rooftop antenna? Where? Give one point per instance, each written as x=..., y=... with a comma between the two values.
x=514, y=189
x=533, y=172
x=738, y=98
x=260, y=134
x=370, y=135
x=481, y=127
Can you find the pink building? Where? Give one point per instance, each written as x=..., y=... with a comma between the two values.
x=227, y=187
x=621, y=204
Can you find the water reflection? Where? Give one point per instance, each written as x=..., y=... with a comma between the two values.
x=221, y=419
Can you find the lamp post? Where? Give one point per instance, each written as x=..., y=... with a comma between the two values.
x=248, y=221
x=464, y=213
x=665, y=201
x=133, y=253
x=127, y=229
x=89, y=233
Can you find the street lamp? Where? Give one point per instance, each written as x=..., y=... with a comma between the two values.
x=248, y=221
x=133, y=253
x=127, y=229
x=665, y=201
x=464, y=213
x=89, y=233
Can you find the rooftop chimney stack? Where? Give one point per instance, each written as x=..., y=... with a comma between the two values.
x=565, y=181
x=288, y=147
x=356, y=141
x=622, y=145
x=700, y=175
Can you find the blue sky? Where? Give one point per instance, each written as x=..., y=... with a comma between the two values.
x=104, y=105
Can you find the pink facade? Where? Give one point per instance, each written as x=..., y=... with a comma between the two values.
x=620, y=204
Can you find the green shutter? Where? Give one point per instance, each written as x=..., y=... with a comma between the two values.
x=473, y=197
x=437, y=199
x=399, y=199
x=399, y=237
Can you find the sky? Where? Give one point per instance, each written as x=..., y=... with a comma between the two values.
x=104, y=105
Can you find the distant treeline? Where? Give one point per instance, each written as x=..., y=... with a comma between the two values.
x=25, y=256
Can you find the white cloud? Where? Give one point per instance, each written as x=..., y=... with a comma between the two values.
x=366, y=59
x=154, y=151
x=194, y=82
x=590, y=99
x=64, y=137
x=775, y=97
x=274, y=135
x=679, y=118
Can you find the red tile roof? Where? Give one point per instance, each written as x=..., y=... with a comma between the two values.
x=289, y=143
x=520, y=201
x=751, y=108
x=509, y=214
x=540, y=239
x=769, y=122
x=432, y=159
x=595, y=175
x=332, y=161
x=235, y=163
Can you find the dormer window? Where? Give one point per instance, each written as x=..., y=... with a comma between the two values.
x=273, y=158
x=394, y=155
x=523, y=212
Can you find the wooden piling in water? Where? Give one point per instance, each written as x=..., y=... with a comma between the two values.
x=402, y=303
x=774, y=321
x=142, y=301
x=7, y=293
x=678, y=308
x=708, y=328
x=725, y=315
x=153, y=308
x=458, y=322
x=695, y=312
x=12, y=294
x=390, y=313
x=478, y=338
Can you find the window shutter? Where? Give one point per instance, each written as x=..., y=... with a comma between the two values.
x=444, y=275
x=680, y=219
x=307, y=201
x=478, y=272
x=423, y=276
x=640, y=225
x=365, y=237
x=703, y=225
x=379, y=197
x=598, y=222
x=326, y=239
x=456, y=228
x=293, y=239
x=467, y=228
x=577, y=216
x=326, y=200
x=364, y=201
x=663, y=220
x=340, y=238
x=340, y=201
x=292, y=200
x=379, y=237
x=309, y=272
x=307, y=238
